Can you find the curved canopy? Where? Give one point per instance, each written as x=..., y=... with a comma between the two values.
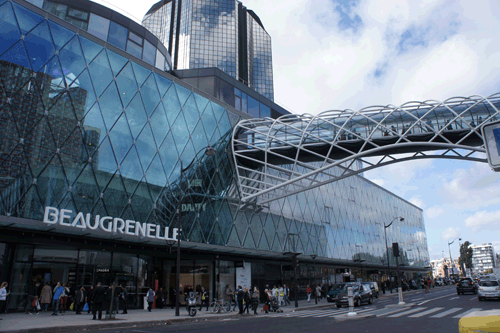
x=279, y=157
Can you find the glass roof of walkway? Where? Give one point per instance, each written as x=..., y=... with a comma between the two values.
x=268, y=152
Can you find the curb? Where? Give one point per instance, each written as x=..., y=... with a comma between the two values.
x=123, y=324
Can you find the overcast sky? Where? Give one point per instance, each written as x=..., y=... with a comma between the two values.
x=352, y=54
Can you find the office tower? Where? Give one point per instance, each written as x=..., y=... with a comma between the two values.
x=215, y=33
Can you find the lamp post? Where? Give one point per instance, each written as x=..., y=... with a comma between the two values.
x=451, y=261
x=387, y=249
x=293, y=252
x=313, y=256
x=209, y=151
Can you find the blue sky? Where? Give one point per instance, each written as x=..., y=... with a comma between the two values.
x=352, y=54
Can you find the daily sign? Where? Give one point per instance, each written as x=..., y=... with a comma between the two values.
x=106, y=223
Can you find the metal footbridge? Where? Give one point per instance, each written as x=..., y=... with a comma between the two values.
x=276, y=158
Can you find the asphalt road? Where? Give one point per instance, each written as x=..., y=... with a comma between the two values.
x=438, y=311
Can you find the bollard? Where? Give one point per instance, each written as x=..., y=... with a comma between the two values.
x=401, y=301
x=350, y=299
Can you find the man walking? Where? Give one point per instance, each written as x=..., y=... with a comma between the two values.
x=98, y=299
x=124, y=299
x=286, y=291
x=240, y=296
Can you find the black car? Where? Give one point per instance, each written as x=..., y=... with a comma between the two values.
x=466, y=285
x=362, y=294
x=332, y=294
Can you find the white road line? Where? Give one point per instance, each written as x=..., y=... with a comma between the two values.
x=433, y=299
x=421, y=314
x=451, y=299
x=473, y=298
x=406, y=312
x=463, y=314
x=417, y=299
x=442, y=314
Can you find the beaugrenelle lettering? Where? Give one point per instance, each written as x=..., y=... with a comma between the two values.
x=106, y=223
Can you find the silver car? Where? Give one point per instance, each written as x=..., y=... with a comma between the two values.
x=488, y=289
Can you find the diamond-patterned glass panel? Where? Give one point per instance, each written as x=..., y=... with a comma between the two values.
x=87, y=129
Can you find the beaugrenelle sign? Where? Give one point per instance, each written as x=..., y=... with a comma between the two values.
x=106, y=223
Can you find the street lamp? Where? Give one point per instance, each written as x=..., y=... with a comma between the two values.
x=451, y=261
x=209, y=151
x=313, y=256
x=387, y=249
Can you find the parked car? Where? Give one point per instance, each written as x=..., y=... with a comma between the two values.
x=336, y=289
x=466, y=285
x=362, y=293
x=488, y=289
x=372, y=288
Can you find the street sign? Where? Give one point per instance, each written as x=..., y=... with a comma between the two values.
x=491, y=135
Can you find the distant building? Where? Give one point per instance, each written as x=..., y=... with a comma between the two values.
x=483, y=258
x=215, y=33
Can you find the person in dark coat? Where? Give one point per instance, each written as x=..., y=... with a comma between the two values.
x=124, y=299
x=90, y=295
x=79, y=300
x=98, y=300
x=247, y=299
x=32, y=296
x=240, y=296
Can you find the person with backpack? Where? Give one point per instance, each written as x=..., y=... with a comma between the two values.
x=124, y=299
x=150, y=298
x=204, y=298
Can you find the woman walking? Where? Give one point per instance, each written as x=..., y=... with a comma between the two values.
x=3, y=297
x=151, y=298
x=64, y=299
x=309, y=292
x=204, y=298
x=255, y=300
x=246, y=299
x=45, y=296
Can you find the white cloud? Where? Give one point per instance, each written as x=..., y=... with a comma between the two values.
x=435, y=212
x=483, y=220
x=417, y=201
x=450, y=233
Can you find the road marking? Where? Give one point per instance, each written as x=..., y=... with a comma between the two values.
x=433, y=299
x=473, y=298
x=451, y=299
x=421, y=314
x=406, y=312
x=467, y=312
x=417, y=299
x=442, y=314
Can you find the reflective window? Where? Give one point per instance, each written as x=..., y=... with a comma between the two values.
x=134, y=49
x=98, y=26
x=118, y=35
x=149, y=53
x=72, y=15
x=253, y=107
x=265, y=111
x=160, y=60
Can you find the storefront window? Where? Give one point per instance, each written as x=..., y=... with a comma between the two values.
x=227, y=277
x=144, y=278
x=100, y=262
x=24, y=253
x=202, y=276
x=5, y=254
x=18, y=287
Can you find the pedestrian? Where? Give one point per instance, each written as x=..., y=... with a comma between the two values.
x=309, y=292
x=318, y=292
x=428, y=285
x=3, y=296
x=56, y=298
x=124, y=299
x=164, y=296
x=204, y=298
x=32, y=299
x=229, y=297
x=46, y=296
x=236, y=304
x=247, y=300
x=281, y=295
x=98, y=296
x=382, y=286
x=159, y=299
x=286, y=296
x=64, y=299
x=79, y=300
x=150, y=297
x=240, y=297
x=90, y=297
x=255, y=299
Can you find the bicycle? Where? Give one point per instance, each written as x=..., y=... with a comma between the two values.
x=218, y=306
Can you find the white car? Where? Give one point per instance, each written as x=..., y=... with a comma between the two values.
x=488, y=289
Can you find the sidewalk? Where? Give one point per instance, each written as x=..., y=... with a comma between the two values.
x=45, y=322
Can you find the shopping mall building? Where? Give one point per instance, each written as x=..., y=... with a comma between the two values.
x=95, y=120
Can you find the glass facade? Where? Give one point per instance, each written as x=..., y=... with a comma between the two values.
x=216, y=33
x=92, y=131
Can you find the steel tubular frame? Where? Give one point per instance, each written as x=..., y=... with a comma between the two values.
x=273, y=156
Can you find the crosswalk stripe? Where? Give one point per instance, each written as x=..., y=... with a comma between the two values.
x=320, y=313
x=406, y=312
x=445, y=313
x=421, y=314
x=417, y=299
x=467, y=312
